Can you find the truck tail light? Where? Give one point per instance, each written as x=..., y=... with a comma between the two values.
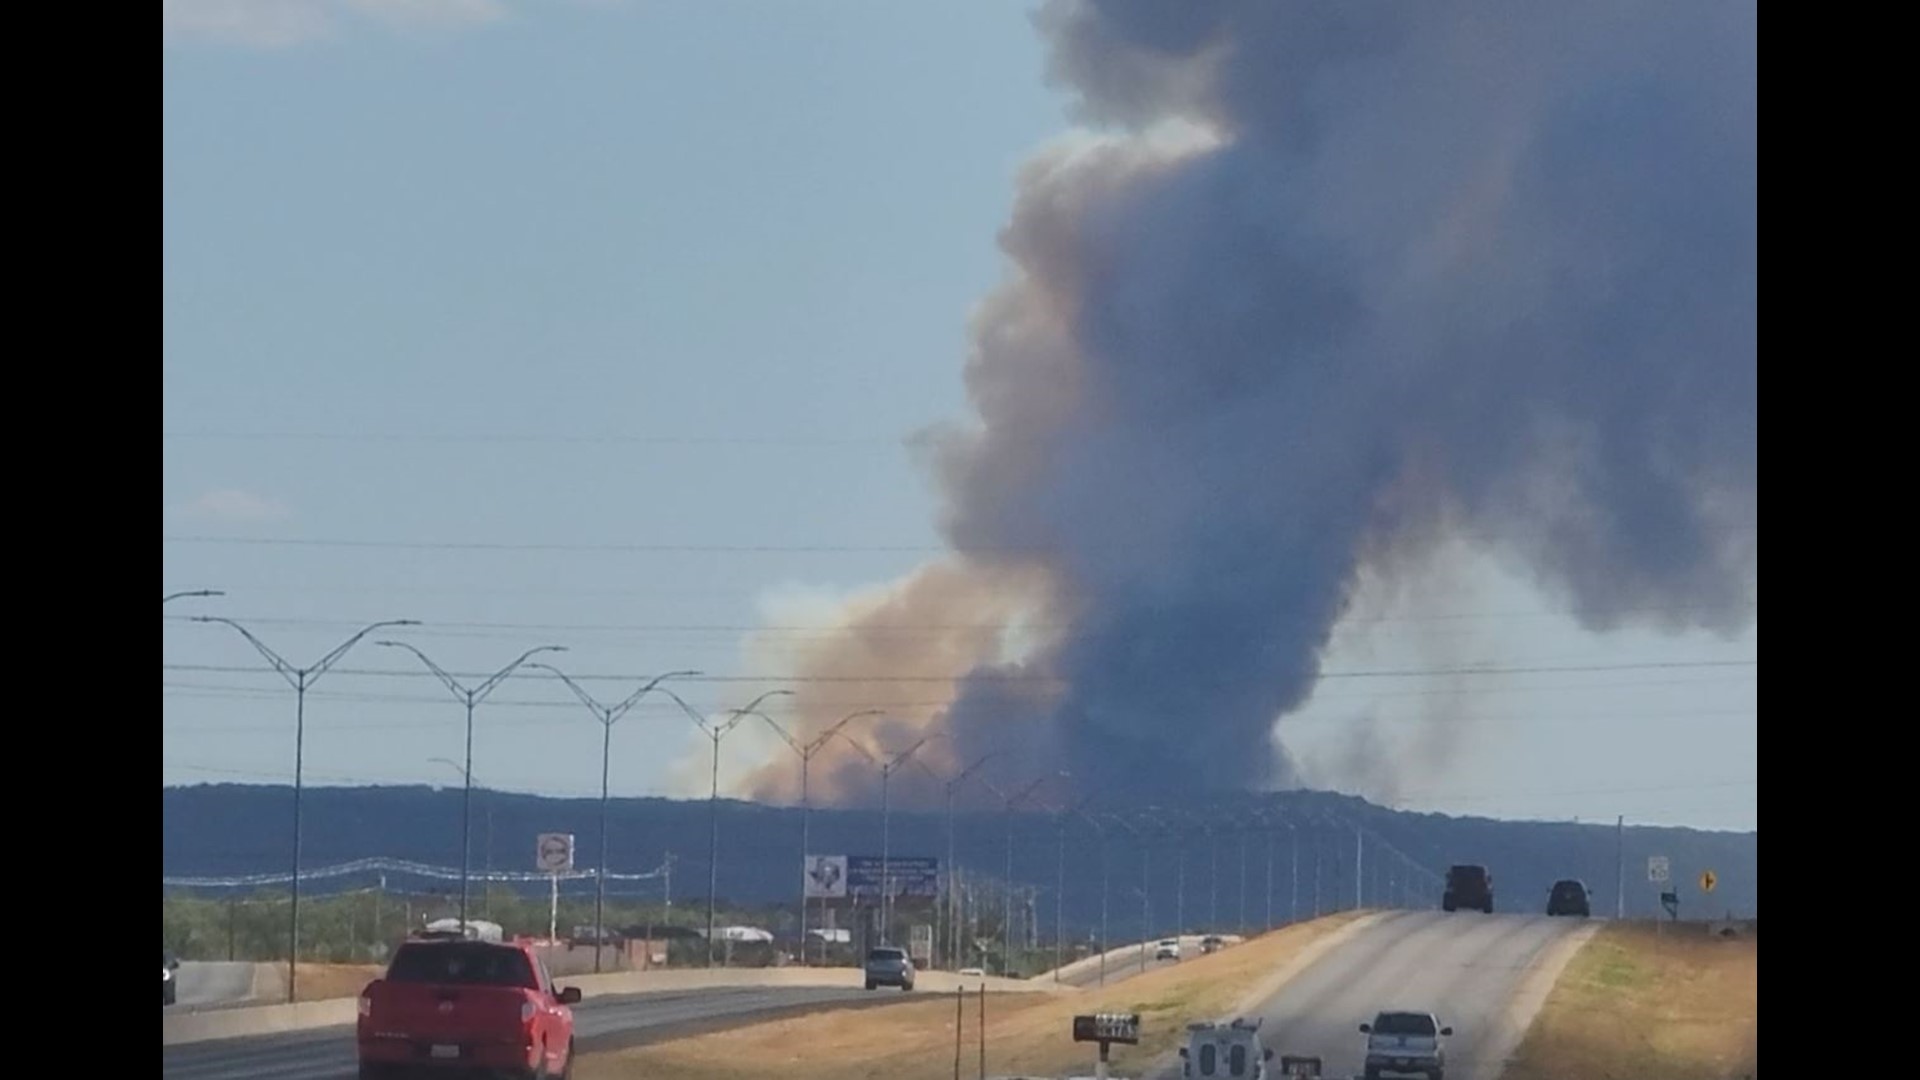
x=526, y=1012
x=366, y=1004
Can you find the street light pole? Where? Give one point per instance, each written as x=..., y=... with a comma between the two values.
x=952, y=785
x=300, y=679
x=1006, y=925
x=471, y=697
x=1146, y=895
x=1100, y=832
x=1060, y=881
x=608, y=715
x=887, y=769
x=716, y=732
x=806, y=752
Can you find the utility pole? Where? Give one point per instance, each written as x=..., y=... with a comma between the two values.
x=1620, y=867
x=1359, y=878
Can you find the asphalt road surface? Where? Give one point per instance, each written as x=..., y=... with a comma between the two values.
x=1466, y=968
x=604, y=1023
x=212, y=983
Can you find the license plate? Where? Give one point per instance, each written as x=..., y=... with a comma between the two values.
x=444, y=1052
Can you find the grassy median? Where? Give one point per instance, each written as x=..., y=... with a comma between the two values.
x=1680, y=1005
x=1025, y=1033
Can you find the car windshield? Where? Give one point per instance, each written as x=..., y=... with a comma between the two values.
x=886, y=954
x=461, y=963
x=1403, y=1024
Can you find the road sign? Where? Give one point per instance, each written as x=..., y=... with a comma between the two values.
x=1708, y=881
x=1107, y=1028
x=1659, y=870
x=1671, y=901
x=554, y=853
x=826, y=877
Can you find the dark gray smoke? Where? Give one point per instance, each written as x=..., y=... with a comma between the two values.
x=1342, y=280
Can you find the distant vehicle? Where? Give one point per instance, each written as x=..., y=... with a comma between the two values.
x=1468, y=886
x=1225, y=1050
x=169, y=990
x=1168, y=949
x=1212, y=943
x=971, y=972
x=889, y=965
x=1300, y=1067
x=459, y=1006
x=1406, y=1044
x=454, y=930
x=585, y=937
x=1570, y=897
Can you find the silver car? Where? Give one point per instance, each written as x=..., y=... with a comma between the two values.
x=889, y=966
x=1406, y=1044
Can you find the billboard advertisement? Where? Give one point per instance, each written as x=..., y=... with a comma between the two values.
x=837, y=877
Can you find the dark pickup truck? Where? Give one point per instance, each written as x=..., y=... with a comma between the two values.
x=465, y=1006
x=1468, y=886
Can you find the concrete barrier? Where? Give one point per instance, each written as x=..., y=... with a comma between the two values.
x=1130, y=954
x=255, y=1020
x=683, y=979
x=233, y=1023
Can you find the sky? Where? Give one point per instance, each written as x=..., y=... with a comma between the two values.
x=613, y=325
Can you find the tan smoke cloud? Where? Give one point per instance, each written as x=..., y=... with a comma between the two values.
x=903, y=649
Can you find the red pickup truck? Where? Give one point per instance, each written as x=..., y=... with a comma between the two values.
x=461, y=1007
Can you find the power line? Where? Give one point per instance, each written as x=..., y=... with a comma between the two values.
x=624, y=549
x=866, y=628
x=512, y=438
x=1403, y=673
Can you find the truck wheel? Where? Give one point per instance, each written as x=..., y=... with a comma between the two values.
x=870, y=984
x=1446, y=905
x=1373, y=1073
x=566, y=1071
x=906, y=988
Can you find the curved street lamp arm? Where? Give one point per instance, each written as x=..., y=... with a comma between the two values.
x=820, y=740
x=784, y=737
x=626, y=705
x=902, y=756
x=280, y=666
x=452, y=684
x=170, y=597
x=693, y=714
x=969, y=770
x=327, y=661
x=599, y=711
x=494, y=680
x=864, y=752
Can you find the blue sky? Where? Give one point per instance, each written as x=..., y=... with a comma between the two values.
x=564, y=276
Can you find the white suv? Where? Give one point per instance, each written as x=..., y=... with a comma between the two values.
x=1406, y=1044
x=1169, y=949
x=1225, y=1050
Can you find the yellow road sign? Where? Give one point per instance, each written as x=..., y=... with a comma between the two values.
x=1707, y=881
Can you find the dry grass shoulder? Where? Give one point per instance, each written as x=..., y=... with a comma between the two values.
x=324, y=982
x=1025, y=1033
x=1677, y=1006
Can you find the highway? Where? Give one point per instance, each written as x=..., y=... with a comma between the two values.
x=605, y=1023
x=1470, y=970
x=208, y=983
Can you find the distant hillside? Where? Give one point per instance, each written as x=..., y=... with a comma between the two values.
x=227, y=829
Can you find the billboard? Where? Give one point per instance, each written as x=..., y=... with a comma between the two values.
x=826, y=877
x=837, y=877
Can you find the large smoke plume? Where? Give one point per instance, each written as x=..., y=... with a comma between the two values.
x=1335, y=282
